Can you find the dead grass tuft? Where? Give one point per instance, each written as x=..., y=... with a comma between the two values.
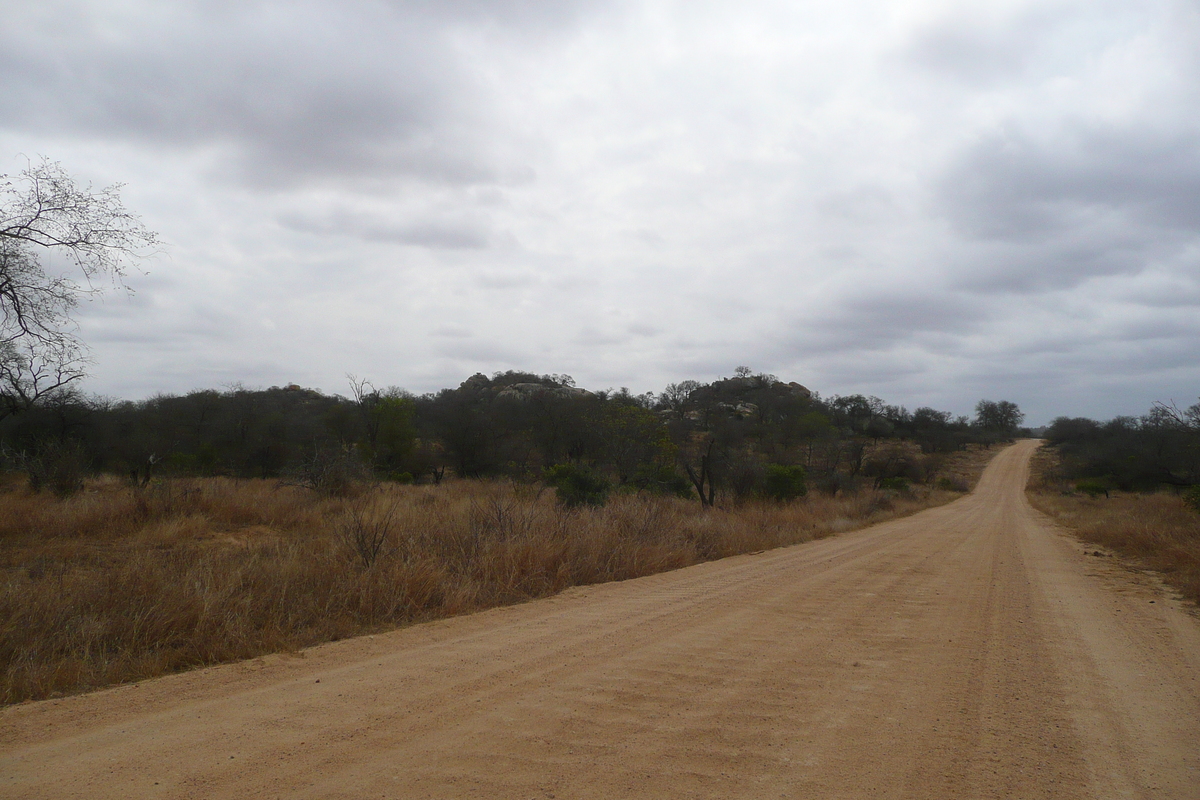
x=116, y=584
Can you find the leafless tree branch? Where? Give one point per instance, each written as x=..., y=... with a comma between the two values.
x=42, y=207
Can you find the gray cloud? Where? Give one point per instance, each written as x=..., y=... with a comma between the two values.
x=982, y=46
x=1085, y=204
x=879, y=325
x=522, y=16
x=452, y=332
x=462, y=233
x=591, y=337
x=1013, y=188
x=931, y=205
x=292, y=92
x=643, y=329
x=505, y=280
x=476, y=353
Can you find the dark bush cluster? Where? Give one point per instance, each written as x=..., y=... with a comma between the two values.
x=1161, y=448
x=578, y=486
x=745, y=437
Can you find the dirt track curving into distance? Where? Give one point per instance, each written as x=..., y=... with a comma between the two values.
x=970, y=651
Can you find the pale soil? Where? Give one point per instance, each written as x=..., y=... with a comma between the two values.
x=969, y=651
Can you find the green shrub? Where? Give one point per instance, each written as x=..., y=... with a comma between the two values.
x=952, y=485
x=1092, y=488
x=1191, y=497
x=577, y=485
x=894, y=485
x=785, y=482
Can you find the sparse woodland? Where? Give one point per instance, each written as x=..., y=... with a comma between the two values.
x=1159, y=449
x=722, y=438
x=1130, y=485
x=142, y=538
x=138, y=538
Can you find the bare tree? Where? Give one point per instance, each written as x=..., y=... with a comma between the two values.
x=1171, y=414
x=676, y=395
x=42, y=209
x=33, y=370
x=702, y=476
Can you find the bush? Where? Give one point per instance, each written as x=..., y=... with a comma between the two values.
x=1092, y=488
x=1191, y=497
x=661, y=480
x=952, y=485
x=366, y=526
x=745, y=475
x=57, y=466
x=577, y=485
x=785, y=482
x=333, y=470
x=894, y=485
x=835, y=482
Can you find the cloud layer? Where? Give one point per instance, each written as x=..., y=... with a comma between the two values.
x=933, y=202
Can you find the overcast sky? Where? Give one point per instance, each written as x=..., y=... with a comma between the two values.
x=932, y=202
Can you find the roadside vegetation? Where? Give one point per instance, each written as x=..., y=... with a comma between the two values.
x=138, y=538
x=118, y=582
x=1129, y=485
x=734, y=438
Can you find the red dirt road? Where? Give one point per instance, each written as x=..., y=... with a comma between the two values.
x=970, y=651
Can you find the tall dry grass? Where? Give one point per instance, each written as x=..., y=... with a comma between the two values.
x=117, y=584
x=1157, y=531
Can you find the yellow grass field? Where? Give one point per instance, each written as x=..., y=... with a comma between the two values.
x=118, y=584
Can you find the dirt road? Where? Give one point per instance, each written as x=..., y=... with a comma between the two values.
x=966, y=652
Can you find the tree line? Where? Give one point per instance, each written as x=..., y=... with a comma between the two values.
x=750, y=434
x=746, y=435
x=1159, y=448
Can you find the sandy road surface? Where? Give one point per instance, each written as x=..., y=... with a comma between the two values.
x=966, y=652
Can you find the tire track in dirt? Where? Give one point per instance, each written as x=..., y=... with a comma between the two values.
x=968, y=651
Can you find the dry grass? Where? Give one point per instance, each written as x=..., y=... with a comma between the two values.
x=1158, y=531
x=117, y=584
x=965, y=466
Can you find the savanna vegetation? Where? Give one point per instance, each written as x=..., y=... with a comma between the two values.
x=140, y=538
x=730, y=438
x=121, y=582
x=1130, y=485
x=143, y=537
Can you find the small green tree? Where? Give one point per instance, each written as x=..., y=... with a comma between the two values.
x=387, y=430
x=635, y=440
x=392, y=420
x=784, y=482
x=577, y=485
x=998, y=417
